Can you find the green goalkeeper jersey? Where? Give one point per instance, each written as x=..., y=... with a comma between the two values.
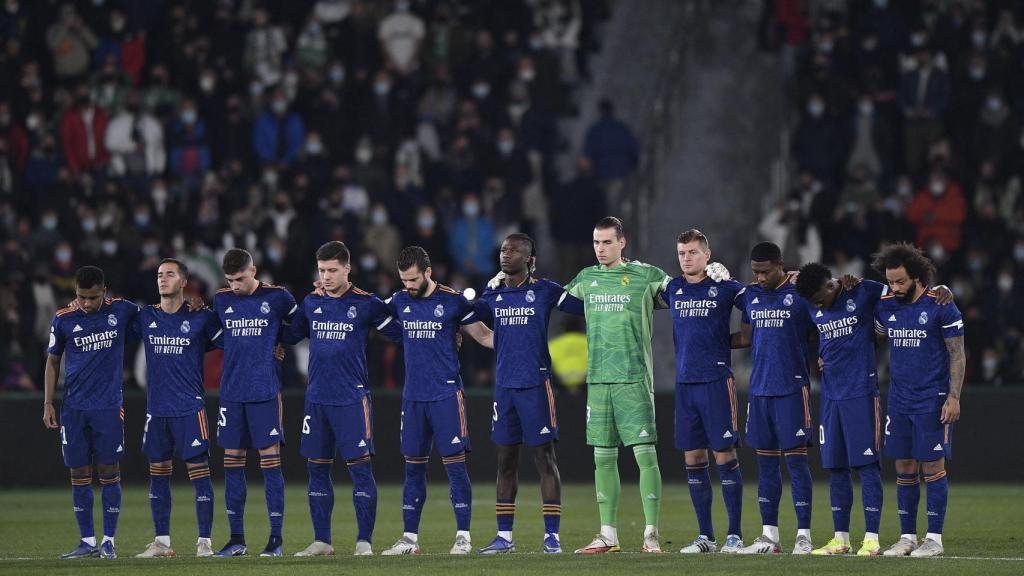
x=619, y=305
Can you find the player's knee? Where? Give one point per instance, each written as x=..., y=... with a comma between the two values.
x=544, y=459
x=725, y=456
x=234, y=453
x=198, y=461
x=272, y=450
x=108, y=469
x=695, y=457
x=605, y=457
x=82, y=471
x=646, y=456
x=933, y=467
x=906, y=466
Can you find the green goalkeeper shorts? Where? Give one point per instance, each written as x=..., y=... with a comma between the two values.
x=620, y=414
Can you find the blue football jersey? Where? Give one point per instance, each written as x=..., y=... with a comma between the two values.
x=700, y=327
x=93, y=347
x=519, y=316
x=429, y=326
x=337, y=329
x=175, y=345
x=780, y=321
x=252, y=327
x=847, y=342
x=919, y=361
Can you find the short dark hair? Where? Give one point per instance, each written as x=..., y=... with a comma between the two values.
x=766, y=252
x=236, y=260
x=89, y=277
x=333, y=250
x=610, y=222
x=813, y=276
x=905, y=255
x=413, y=256
x=182, y=269
x=691, y=235
x=524, y=238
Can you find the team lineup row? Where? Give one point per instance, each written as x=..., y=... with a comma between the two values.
x=782, y=315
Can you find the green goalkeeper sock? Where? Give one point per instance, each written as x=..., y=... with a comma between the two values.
x=606, y=482
x=650, y=481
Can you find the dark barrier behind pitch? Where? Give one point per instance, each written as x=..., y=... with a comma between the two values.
x=988, y=443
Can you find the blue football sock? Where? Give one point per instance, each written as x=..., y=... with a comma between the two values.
x=802, y=485
x=505, y=513
x=321, y=497
x=160, y=497
x=364, y=496
x=908, y=494
x=699, y=480
x=235, y=492
x=273, y=488
x=937, y=488
x=871, y=496
x=732, y=492
x=552, y=516
x=81, y=500
x=111, y=502
x=841, y=492
x=460, y=489
x=769, y=486
x=203, y=485
x=414, y=493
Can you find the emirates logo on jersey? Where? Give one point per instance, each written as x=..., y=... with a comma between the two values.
x=625, y=280
x=712, y=292
x=530, y=296
x=439, y=311
x=352, y=312
x=112, y=320
x=265, y=307
x=851, y=305
x=185, y=327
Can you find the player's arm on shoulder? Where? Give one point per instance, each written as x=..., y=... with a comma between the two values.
x=298, y=329
x=385, y=323
x=743, y=338
x=957, y=368
x=943, y=295
x=50, y=376
x=481, y=333
x=570, y=304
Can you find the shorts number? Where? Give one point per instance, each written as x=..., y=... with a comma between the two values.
x=305, y=424
x=886, y=425
x=821, y=434
x=63, y=438
x=494, y=410
x=145, y=427
x=222, y=418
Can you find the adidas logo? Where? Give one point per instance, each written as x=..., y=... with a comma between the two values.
x=545, y=430
x=499, y=298
x=196, y=442
x=819, y=314
x=152, y=324
x=938, y=448
x=892, y=318
x=230, y=310
x=593, y=284
x=274, y=432
x=755, y=301
x=727, y=434
x=456, y=440
x=77, y=328
x=679, y=291
x=318, y=311
x=652, y=496
x=362, y=443
x=800, y=433
x=120, y=447
x=407, y=310
x=868, y=452
x=643, y=433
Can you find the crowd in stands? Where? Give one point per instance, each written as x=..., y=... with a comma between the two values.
x=132, y=130
x=910, y=129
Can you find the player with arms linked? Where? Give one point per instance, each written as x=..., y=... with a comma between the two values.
x=433, y=409
x=927, y=364
x=701, y=301
x=175, y=336
x=337, y=319
x=253, y=314
x=91, y=332
x=519, y=307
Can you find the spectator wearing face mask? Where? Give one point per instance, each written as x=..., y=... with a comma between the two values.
x=135, y=140
x=83, y=127
x=278, y=132
x=472, y=240
x=382, y=238
x=613, y=152
x=190, y=153
x=938, y=212
x=400, y=34
x=265, y=47
x=818, y=143
x=924, y=96
x=71, y=43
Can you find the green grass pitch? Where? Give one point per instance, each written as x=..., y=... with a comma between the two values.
x=983, y=535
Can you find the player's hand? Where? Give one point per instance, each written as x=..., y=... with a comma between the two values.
x=279, y=353
x=717, y=272
x=73, y=304
x=950, y=410
x=49, y=416
x=318, y=288
x=943, y=295
x=458, y=341
x=821, y=364
x=493, y=283
x=792, y=276
x=196, y=303
x=849, y=281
